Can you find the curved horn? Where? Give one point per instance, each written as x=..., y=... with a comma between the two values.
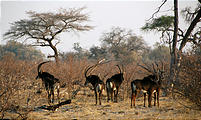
x=147, y=68
x=98, y=63
x=86, y=70
x=39, y=66
x=119, y=68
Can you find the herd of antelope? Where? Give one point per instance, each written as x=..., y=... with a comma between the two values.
x=149, y=85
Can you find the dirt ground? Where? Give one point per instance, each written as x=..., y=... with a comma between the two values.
x=83, y=107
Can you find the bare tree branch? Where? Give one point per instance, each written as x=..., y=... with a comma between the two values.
x=158, y=9
x=190, y=29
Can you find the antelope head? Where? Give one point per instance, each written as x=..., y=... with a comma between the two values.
x=158, y=72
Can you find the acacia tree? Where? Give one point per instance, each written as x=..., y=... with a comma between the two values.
x=175, y=36
x=43, y=29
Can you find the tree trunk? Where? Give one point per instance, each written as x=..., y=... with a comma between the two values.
x=173, y=63
x=185, y=40
x=56, y=55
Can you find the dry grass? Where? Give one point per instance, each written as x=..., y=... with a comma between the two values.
x=83, y=107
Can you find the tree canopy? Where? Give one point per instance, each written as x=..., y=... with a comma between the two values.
x=43, y=29
x=122, y=44
x=160, y=24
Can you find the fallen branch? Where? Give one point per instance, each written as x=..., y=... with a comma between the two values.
x=54, y=107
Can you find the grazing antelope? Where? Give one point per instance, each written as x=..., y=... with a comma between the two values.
x=149, y=84
x=113, y=84
x=98, y=85
x=51, y=83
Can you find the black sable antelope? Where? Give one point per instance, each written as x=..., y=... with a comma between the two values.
x=149, y=84
x=113, y=84
x=98, y=85
x=51, y=83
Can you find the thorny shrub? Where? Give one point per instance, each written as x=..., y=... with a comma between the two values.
x=190, y=78
x=15, y=84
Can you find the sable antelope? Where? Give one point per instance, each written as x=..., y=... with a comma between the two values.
x=51, y=83
x=149, y=84
x=113, y=84
x=98, y=85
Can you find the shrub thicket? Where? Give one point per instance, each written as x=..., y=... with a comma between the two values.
x=189, y=83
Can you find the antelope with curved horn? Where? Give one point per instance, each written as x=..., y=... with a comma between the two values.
x=113, y=84
x=149, y=84
x=51, y=83
x=98, y=85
